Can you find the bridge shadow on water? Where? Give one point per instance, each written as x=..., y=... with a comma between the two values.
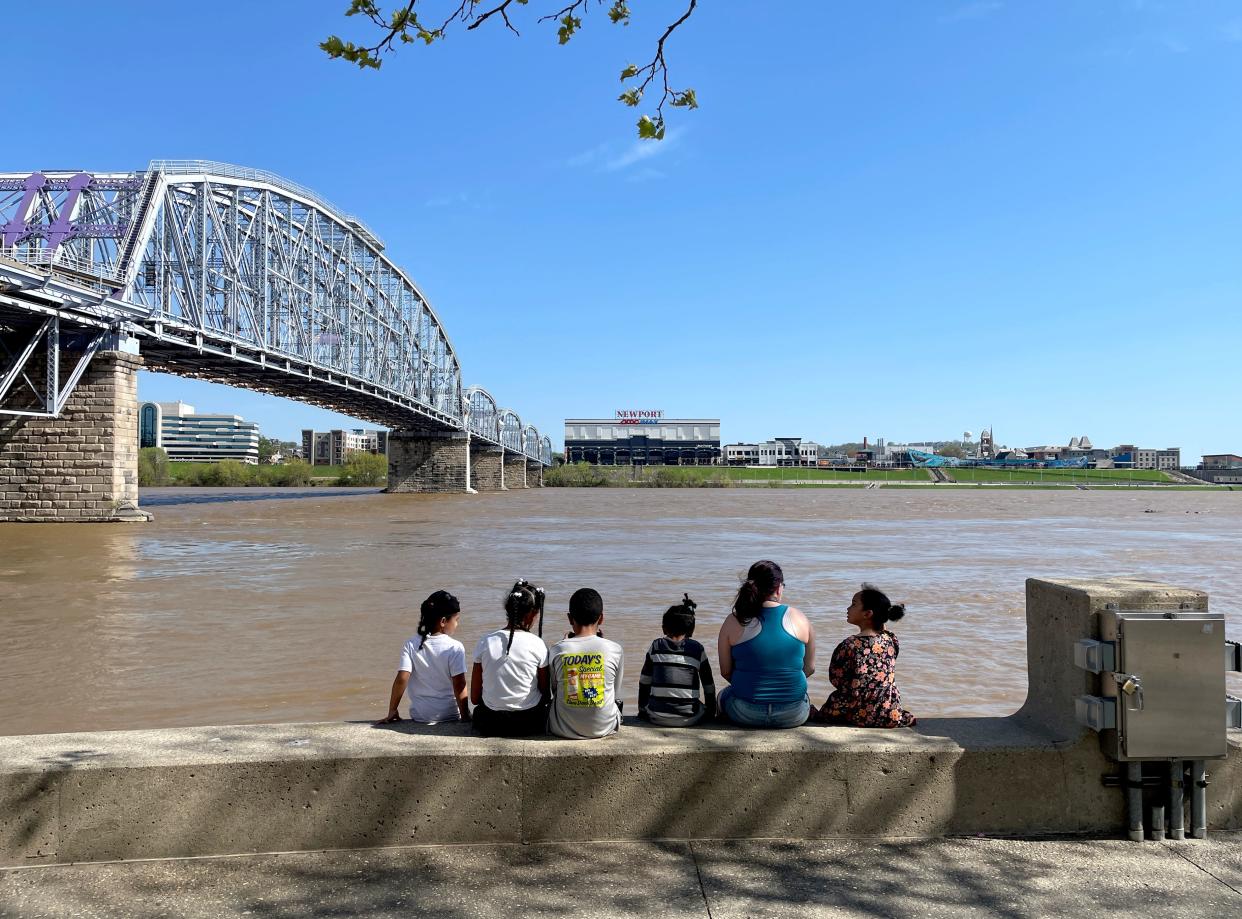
x=150, y=498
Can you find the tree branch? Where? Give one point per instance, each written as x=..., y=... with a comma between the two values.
x=404, y=25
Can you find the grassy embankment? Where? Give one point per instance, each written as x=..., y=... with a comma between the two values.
x=583, y=475
x=1023, y=476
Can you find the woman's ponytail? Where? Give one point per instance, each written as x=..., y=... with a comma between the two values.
x=440, y=605
x=762, y=581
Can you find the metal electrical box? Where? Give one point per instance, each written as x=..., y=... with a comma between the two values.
x=1167, y=685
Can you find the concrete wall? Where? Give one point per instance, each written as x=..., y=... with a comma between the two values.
x=213, y=790
x=427, y=462
x=487, y=471
x=515, y=471
x=83, y=465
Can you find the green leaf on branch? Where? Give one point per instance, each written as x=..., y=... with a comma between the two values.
x=684, y=99
x=366, y=7
x=569, y=25
x=651, y=129
x=631, y=96
x=628, y=72
x=619, y=12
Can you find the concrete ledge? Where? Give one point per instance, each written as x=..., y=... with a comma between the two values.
x=268, y=788
x=272, y=788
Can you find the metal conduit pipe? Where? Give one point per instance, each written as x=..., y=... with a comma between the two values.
x=1198, y=799
x=1134, y=799
x=1177, y=800
x=1157, y=807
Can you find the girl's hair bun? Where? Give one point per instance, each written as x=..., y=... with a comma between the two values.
x=896, y=611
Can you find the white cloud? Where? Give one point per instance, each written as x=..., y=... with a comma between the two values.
x=587, y=157
x=643, y=150
x=608, y=157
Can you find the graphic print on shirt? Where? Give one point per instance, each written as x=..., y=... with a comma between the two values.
x=582, y=680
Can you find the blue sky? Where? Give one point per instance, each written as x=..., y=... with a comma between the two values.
x=896, y=219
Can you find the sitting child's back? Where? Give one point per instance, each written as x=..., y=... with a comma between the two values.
x=585, y=674
x=676, y=675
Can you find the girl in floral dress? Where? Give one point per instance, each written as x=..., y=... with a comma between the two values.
x=863, y=668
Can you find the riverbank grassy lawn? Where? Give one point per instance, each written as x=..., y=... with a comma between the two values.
x=770, y=473
x=827, y=475
x=969, y=474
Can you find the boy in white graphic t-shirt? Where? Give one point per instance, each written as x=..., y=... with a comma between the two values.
x=585, y=674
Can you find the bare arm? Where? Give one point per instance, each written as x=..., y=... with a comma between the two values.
x=724, y=647
x=476, y=684
x=399, y=683
x=459, y=690
x=808, y=658
x=542, y=677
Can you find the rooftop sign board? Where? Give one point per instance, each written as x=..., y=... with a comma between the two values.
x=640, y=415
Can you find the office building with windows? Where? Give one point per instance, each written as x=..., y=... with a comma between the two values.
x=783, y=451
x=642, y=438
x=188, y=437
x=332, y=448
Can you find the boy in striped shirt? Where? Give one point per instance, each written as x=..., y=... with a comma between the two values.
x=676, y=687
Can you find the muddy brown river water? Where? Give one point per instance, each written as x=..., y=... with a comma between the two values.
x=291, y=605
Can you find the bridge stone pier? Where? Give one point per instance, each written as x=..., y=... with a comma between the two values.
x=427, y=462
x=515, y=471
x=82, y=465
x=534, y=474
x=487, y=468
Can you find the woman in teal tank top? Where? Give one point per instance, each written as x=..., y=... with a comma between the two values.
x=767, y=650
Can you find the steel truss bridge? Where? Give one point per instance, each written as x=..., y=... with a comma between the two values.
x=226, y=274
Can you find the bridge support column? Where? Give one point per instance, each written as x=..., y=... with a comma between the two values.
x=428, y=462
x=487, y=469
x=515, y=470
x=534, y=474
x=82, y=466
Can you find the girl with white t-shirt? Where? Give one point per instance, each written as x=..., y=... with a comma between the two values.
x=432, y=670
x=509, y=682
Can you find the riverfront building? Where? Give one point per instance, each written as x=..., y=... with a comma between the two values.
x=642, y=438
x=188, y=437
x=332, y=448
x=782, y=451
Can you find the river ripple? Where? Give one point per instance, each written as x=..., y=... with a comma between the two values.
x=291, y=605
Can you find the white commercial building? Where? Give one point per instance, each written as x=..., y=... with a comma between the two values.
x=783, y=451
x=188, y=437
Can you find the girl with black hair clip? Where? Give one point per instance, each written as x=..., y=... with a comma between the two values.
x=676, y=688
x=509, y=681
x=863, y=668
x=432, y=669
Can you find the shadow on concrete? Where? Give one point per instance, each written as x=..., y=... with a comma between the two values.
x=769, y=878
x=158, y=497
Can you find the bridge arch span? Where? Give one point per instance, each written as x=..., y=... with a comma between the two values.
x=231, y=275
x=483, y=414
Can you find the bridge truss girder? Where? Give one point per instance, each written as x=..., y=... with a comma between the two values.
x=250, y=266
x=240, y=276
